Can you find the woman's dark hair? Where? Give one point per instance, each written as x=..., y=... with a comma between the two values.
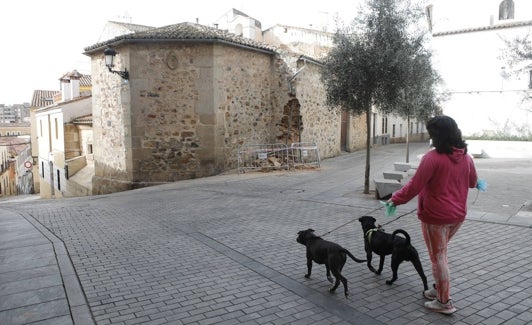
x=445, y=134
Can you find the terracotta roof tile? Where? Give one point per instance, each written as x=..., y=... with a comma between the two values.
x=43, y=98
x=86, y=119
x=185, y=32
x=15, y=145
x=84, y=79
x=485, y=28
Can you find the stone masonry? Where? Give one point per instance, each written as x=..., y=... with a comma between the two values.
x=189, y=105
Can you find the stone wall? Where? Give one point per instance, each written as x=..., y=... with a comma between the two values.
x=245, y=102
x=320, y=123
x=112, y=130
x=188, y=107
x=356, y=134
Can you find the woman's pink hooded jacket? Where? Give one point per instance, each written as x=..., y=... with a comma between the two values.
x=442, y=182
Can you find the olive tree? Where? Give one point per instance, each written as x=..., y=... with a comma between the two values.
x=370, y=63
x=420, y=97
x=518, y=55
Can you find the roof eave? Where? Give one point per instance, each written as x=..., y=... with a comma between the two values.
x=121, y=40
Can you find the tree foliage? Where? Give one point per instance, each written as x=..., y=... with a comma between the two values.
x=380, y=61
x=518, y=55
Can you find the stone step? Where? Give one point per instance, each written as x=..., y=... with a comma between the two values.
x=395, y=175
x=402, y=166
x=385, y=187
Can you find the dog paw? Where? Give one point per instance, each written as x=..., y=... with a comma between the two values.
x=307, y=276
x=389, y=282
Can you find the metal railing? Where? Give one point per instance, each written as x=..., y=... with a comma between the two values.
x=278, y=156
x=304, y=154
x=263, y=157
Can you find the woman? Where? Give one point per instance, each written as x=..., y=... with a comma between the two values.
x=442, y=182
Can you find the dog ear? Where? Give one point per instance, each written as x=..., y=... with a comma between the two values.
x=311, y=230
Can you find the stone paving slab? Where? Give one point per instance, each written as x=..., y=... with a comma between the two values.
x=222, y=250
x=31, y=288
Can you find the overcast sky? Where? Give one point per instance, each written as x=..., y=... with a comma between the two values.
x=44, y=39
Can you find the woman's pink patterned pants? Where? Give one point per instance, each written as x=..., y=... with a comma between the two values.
x=437, y=237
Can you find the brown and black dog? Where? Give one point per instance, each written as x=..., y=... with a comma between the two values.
x=378, y=242
x=325, y=252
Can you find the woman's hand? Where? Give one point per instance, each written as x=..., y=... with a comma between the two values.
x=390, y=208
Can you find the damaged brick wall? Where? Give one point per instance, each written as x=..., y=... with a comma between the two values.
x=291, y=124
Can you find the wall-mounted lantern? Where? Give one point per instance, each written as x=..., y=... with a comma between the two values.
x=110, y=53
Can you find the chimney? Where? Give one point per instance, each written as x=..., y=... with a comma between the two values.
x=65, y=88
x=70, y=85
x=75, y=76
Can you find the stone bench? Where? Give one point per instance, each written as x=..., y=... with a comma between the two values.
x=385, y=187
x=402, y=166
x=395, y=175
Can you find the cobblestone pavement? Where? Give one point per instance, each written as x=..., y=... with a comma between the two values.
x=222, y=250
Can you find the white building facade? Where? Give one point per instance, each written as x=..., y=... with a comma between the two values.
x=486, y=98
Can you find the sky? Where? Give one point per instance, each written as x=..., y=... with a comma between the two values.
x=44, y=39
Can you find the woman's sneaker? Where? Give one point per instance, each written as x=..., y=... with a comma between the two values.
x=439, y=307
x=431, y=294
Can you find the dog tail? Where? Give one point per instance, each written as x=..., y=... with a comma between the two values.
x=352, y=257
x=404, y=233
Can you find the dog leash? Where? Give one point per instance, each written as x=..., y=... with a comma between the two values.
x=404, y=214
x=372, y=211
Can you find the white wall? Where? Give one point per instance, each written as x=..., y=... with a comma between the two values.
x=483, y=98
x=459, y=14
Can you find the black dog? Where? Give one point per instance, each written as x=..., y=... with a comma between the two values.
x=378, y=242
x=328, y=253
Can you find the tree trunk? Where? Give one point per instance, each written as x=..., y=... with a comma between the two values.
x=368, y=148
x=407, y=138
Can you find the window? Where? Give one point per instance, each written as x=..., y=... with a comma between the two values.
x=384, y=127
x=40, y=125
x=89, y=148
x=506, y=10
x=393, y=131
x=56, y=129
x=58, y=180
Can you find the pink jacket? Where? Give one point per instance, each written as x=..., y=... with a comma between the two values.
x=442, y=182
